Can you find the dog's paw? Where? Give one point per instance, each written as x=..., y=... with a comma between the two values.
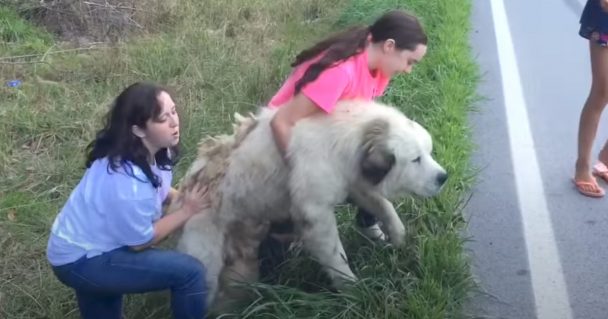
x=341, y=282
x=397, y=234
x=374, y=232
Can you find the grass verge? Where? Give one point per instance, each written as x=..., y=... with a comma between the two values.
x=221, y=57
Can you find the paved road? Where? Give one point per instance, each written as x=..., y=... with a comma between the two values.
x=540, y=250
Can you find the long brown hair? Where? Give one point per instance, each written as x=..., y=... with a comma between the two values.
x=134, y=106
x=398, y=25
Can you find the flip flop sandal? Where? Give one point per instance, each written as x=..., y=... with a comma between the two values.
x=600, y=170
x=591, y=189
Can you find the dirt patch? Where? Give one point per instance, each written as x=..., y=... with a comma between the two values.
x=86, y=21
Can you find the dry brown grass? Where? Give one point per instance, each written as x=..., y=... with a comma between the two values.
x=85, y=21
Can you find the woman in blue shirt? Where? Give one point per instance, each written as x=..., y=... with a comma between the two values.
x=101, y=241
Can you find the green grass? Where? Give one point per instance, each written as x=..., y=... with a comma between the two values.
x=20, y=38
x=220, y=57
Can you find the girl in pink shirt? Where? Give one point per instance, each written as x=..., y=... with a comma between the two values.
x=355, y=64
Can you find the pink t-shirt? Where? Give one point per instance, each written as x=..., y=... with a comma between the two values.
x=350, y=79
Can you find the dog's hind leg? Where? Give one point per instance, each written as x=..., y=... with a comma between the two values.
x=240, y=262
x=203, y=240
x=383, y=209
x=319, y=233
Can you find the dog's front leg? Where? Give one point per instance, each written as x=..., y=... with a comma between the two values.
x=319, y=233
x=383, y=209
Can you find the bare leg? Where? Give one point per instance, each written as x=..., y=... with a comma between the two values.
x=592, y=110
x=603, y=157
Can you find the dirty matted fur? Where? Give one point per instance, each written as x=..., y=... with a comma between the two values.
x=367, y=151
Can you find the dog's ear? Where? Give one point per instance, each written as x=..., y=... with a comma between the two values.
x=377, y=160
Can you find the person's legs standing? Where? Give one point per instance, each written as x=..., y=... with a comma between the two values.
x=590, y=115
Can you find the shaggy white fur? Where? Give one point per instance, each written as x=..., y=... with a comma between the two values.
x=367, y=151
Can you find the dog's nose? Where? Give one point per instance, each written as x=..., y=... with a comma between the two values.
x=441, y=178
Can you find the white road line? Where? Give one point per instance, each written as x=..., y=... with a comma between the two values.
x=548, y=284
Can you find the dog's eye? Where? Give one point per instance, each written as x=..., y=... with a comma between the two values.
x=417, y=160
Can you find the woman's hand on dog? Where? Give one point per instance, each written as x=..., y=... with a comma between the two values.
x=196, y=200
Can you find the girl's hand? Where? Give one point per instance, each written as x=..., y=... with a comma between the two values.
x=196, y=200
x=604, y=4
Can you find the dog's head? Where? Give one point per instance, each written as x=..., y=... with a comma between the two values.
x=397, y=157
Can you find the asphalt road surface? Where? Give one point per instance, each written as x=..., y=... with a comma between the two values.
x=539, y=249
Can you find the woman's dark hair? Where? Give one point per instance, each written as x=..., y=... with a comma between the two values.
x=137, y=104
x=398, y=25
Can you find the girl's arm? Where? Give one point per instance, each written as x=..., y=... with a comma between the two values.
x=165, y=226
x=318, y=96
x=286, y=117
x=195, y=201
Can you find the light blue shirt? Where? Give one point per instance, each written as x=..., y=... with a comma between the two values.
x=107, y=210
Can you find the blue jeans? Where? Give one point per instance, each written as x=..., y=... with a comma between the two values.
x=101, y=281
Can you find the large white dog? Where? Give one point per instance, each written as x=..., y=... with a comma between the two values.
x=366, y=151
